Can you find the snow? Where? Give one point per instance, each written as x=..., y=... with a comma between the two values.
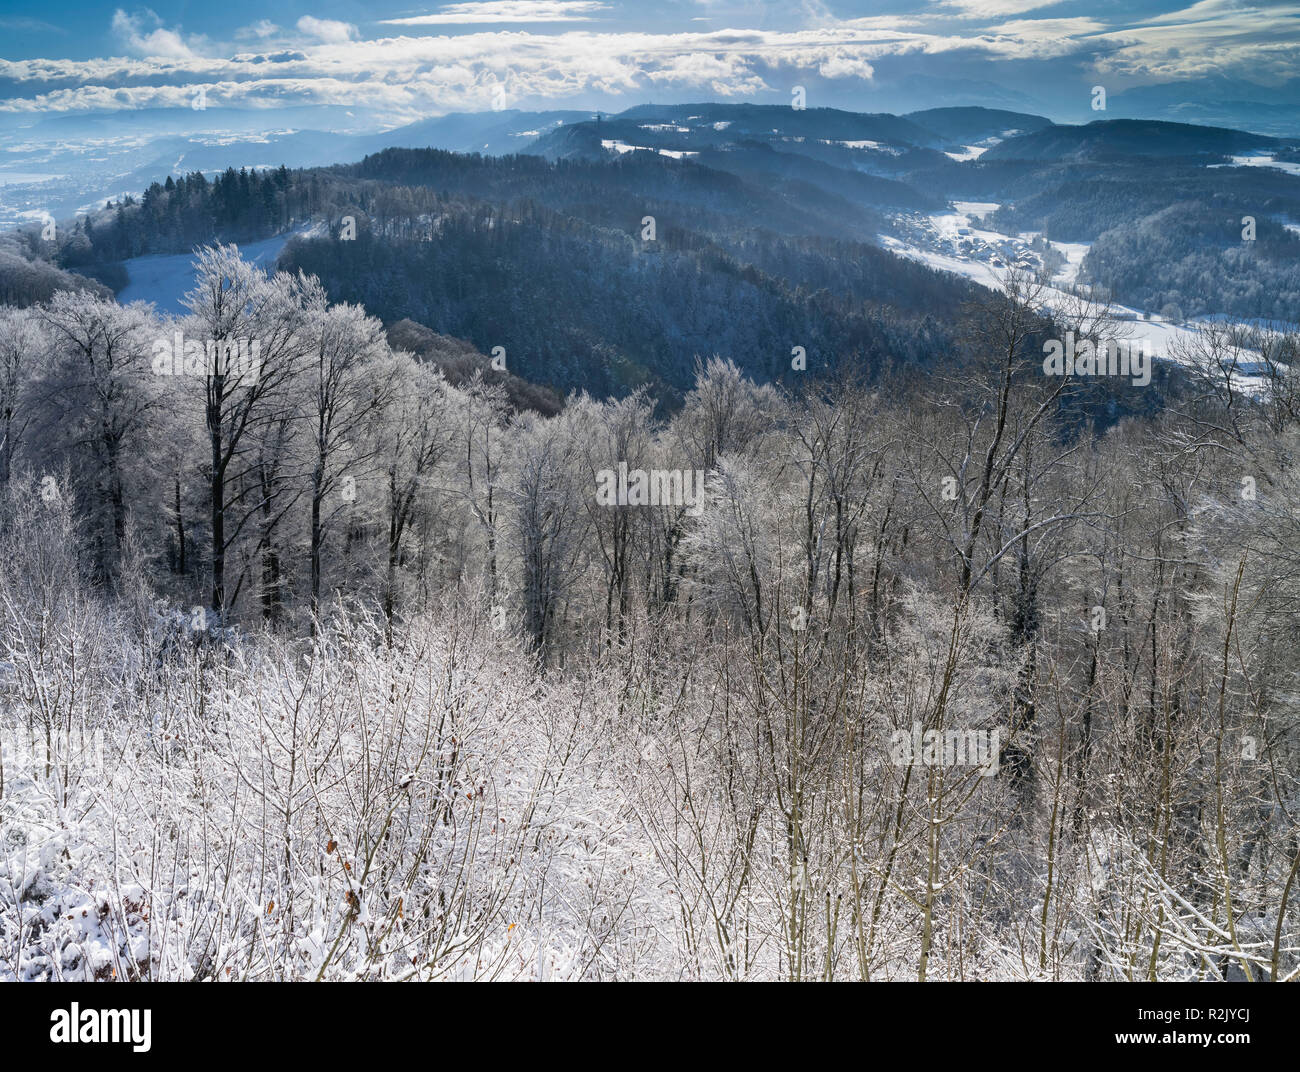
x=975, y=270
x=165, y=278
x=974, y=152
x=1267, y=160
x=624, y=147
x=83, y=892
x=875, y=146
x=957, y=245
x=1074, y=253
x=976, y=208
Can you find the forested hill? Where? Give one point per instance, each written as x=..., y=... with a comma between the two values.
x=611, y=275
x=603, y=275
x=578, y=305
x=963, y=125
x=619, y=249
x=1128, y=137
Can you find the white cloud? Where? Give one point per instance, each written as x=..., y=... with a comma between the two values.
x=330, y=31
x=488, y=11
x=816, y=13
x=328, y=63
x=846, y=65
x=261, y=29
x=157, y=42
x=1079, y=26
x=416, y=76
x=994, y=9
x=1211, y=37
x=1211, y=10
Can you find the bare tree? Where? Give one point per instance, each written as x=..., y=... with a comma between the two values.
x=234, y=304
x=102, y=385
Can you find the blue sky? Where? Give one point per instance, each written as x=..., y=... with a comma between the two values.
x=405, y=60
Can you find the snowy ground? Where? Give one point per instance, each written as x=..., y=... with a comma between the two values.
x=874, y=146
x=1261, y=160
x=974, y=152
x=623, y=147
x=952, y=241
x=165, y=279
x=1074, y=252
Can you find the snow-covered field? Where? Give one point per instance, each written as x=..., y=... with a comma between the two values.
x=955, y=243
x=623, y=147
x=979, y=148
x=875, y=146
x=1073, y=252
x=1267, y=160
x=165, y=278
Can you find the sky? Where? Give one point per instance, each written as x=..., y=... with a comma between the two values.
x=404, y=61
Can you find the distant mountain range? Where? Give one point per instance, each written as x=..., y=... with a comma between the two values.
x=775, y=226
x=66, y=164
x=1216, y=101
x=1127, y=137
x=870, y=141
